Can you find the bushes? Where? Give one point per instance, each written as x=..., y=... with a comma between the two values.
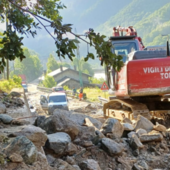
x=93, y=80
x=8, y=85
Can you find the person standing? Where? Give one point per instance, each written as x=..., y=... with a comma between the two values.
x=81, y=94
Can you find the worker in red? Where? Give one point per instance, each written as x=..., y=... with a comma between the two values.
x=81, y=94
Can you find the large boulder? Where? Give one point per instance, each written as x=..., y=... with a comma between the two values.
x=34, y=134
x=58, y=142
x=78, y=118
x=85, y=134
x=152, y=136
x=2, y=108
x=112, y=126
x=111, y=147
x=24, y=147
x=60, y=123
x=5, y=118
x=143, y=123
x=89, y=164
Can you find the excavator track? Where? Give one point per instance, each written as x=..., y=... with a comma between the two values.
x=121, y=108
x=152, y=108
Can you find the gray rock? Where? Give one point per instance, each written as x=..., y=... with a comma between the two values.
x=34, y=134
x=86, y=134
x=128, y=127
x=6, y=118
x=137, y=167
x=143, y=164
x=16, y=158
x=50, y=159
x=76, y=167
x=70, y=160
x=39, y=120
x=135, y=142
x=143, y=123
x=71, y=149
x=127, y=120
x=2, y=108
x=111, y=147
x=60, y=123
x=59, y=164
x=131, y=134
x=152, y=136
x=141, y=132
x=58, y=142
x=89, y=164
x=79, y=118
x=112, y=126
x=24, y=147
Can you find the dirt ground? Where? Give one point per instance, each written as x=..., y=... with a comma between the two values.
x=74, y=105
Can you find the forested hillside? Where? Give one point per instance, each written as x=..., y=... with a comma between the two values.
x=149, y=17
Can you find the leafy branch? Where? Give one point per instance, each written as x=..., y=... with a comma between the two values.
x=19, y=15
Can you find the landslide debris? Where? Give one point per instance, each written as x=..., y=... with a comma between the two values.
x=74, y=141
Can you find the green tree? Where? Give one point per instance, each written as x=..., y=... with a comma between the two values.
x=83, y=66
x=31, y=67
x=52, y=64
x=49, y=82
x=24, y=19
x=64, y=64
x=93, y=80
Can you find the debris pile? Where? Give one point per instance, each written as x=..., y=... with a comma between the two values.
x=72, y=141
x=10, y=100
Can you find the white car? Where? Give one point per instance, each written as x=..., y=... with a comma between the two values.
x=55, y=100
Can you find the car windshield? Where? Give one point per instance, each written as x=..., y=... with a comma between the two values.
x=124, y=49
x=57, y=99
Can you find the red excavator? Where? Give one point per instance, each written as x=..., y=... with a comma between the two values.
x=143, y=84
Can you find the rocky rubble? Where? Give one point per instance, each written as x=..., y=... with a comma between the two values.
x=72, y=141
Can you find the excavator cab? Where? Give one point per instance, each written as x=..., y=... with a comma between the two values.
x=142, y=86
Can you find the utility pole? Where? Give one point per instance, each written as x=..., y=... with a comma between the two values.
x=78, y=57
x=7, y=61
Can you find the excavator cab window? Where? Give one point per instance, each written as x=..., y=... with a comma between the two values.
x=124, y=49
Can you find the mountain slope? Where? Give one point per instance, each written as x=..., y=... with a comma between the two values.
x=132, y=14
x=156, y=24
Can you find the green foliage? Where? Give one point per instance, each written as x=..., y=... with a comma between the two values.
x=94, y=80
x=83, y=66
x=66, y=88
x=49, y=82
x=64, y=64
x=31, y=67
x=103, y=50
x=93, y=94
x=17, y=80
x=8, y=85
x=24, y=19
x=51, y=64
